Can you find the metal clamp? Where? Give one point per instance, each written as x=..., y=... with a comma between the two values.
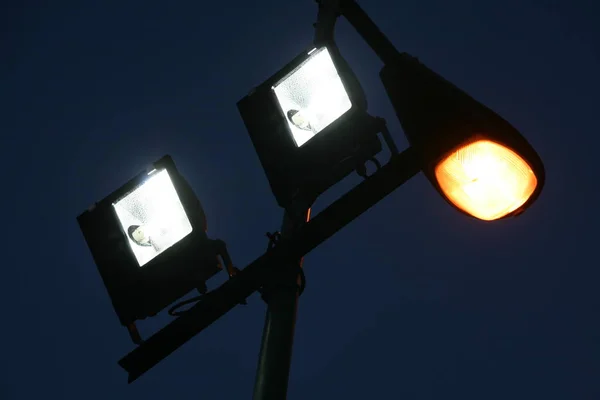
x=274, y=239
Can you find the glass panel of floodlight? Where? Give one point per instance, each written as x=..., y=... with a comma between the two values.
x=152, y=217
x=312, y=96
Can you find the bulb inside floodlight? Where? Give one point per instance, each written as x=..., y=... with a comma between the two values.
x=139, y=236
x=153, y=217
x=312, y=96
x=299, y=120
x=486, y=179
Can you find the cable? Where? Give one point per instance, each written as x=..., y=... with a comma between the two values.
x=173, y=310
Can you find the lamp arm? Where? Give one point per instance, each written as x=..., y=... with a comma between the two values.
x=330, y=10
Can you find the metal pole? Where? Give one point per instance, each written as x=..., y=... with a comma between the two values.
x=281, y=295
x=366, y=28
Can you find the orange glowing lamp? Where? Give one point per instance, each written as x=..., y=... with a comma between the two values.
x=486, y=180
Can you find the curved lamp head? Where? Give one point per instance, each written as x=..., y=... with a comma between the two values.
x=475, y=159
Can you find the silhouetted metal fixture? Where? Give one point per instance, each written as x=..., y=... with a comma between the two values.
x=149, y=242
x=310, y=128
x=476, y=160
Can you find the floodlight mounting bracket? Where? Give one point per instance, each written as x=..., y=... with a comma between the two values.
x=376, y=125
x=387, y=136
x=389, y=141
x=219, y=249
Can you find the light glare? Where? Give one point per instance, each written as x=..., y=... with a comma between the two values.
x=313, y=96
x=156, y=211
x=486, y=179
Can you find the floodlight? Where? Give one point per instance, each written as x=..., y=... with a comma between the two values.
x=153, y=217
x=476, y=160
x=309, y=125
x=149, y=242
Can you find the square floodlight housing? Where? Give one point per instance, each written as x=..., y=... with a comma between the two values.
x=148, y=240
x=309, y=125
x=438, y=118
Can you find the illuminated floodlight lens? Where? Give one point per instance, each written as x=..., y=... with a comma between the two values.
x=312, y=96
x=152, y=217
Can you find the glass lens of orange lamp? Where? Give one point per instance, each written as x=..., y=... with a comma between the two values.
x=486, y=179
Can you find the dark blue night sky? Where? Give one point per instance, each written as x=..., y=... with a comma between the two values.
x=411, y=301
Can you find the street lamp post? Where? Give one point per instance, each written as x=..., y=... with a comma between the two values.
x=310, y=128
x=281, y=294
